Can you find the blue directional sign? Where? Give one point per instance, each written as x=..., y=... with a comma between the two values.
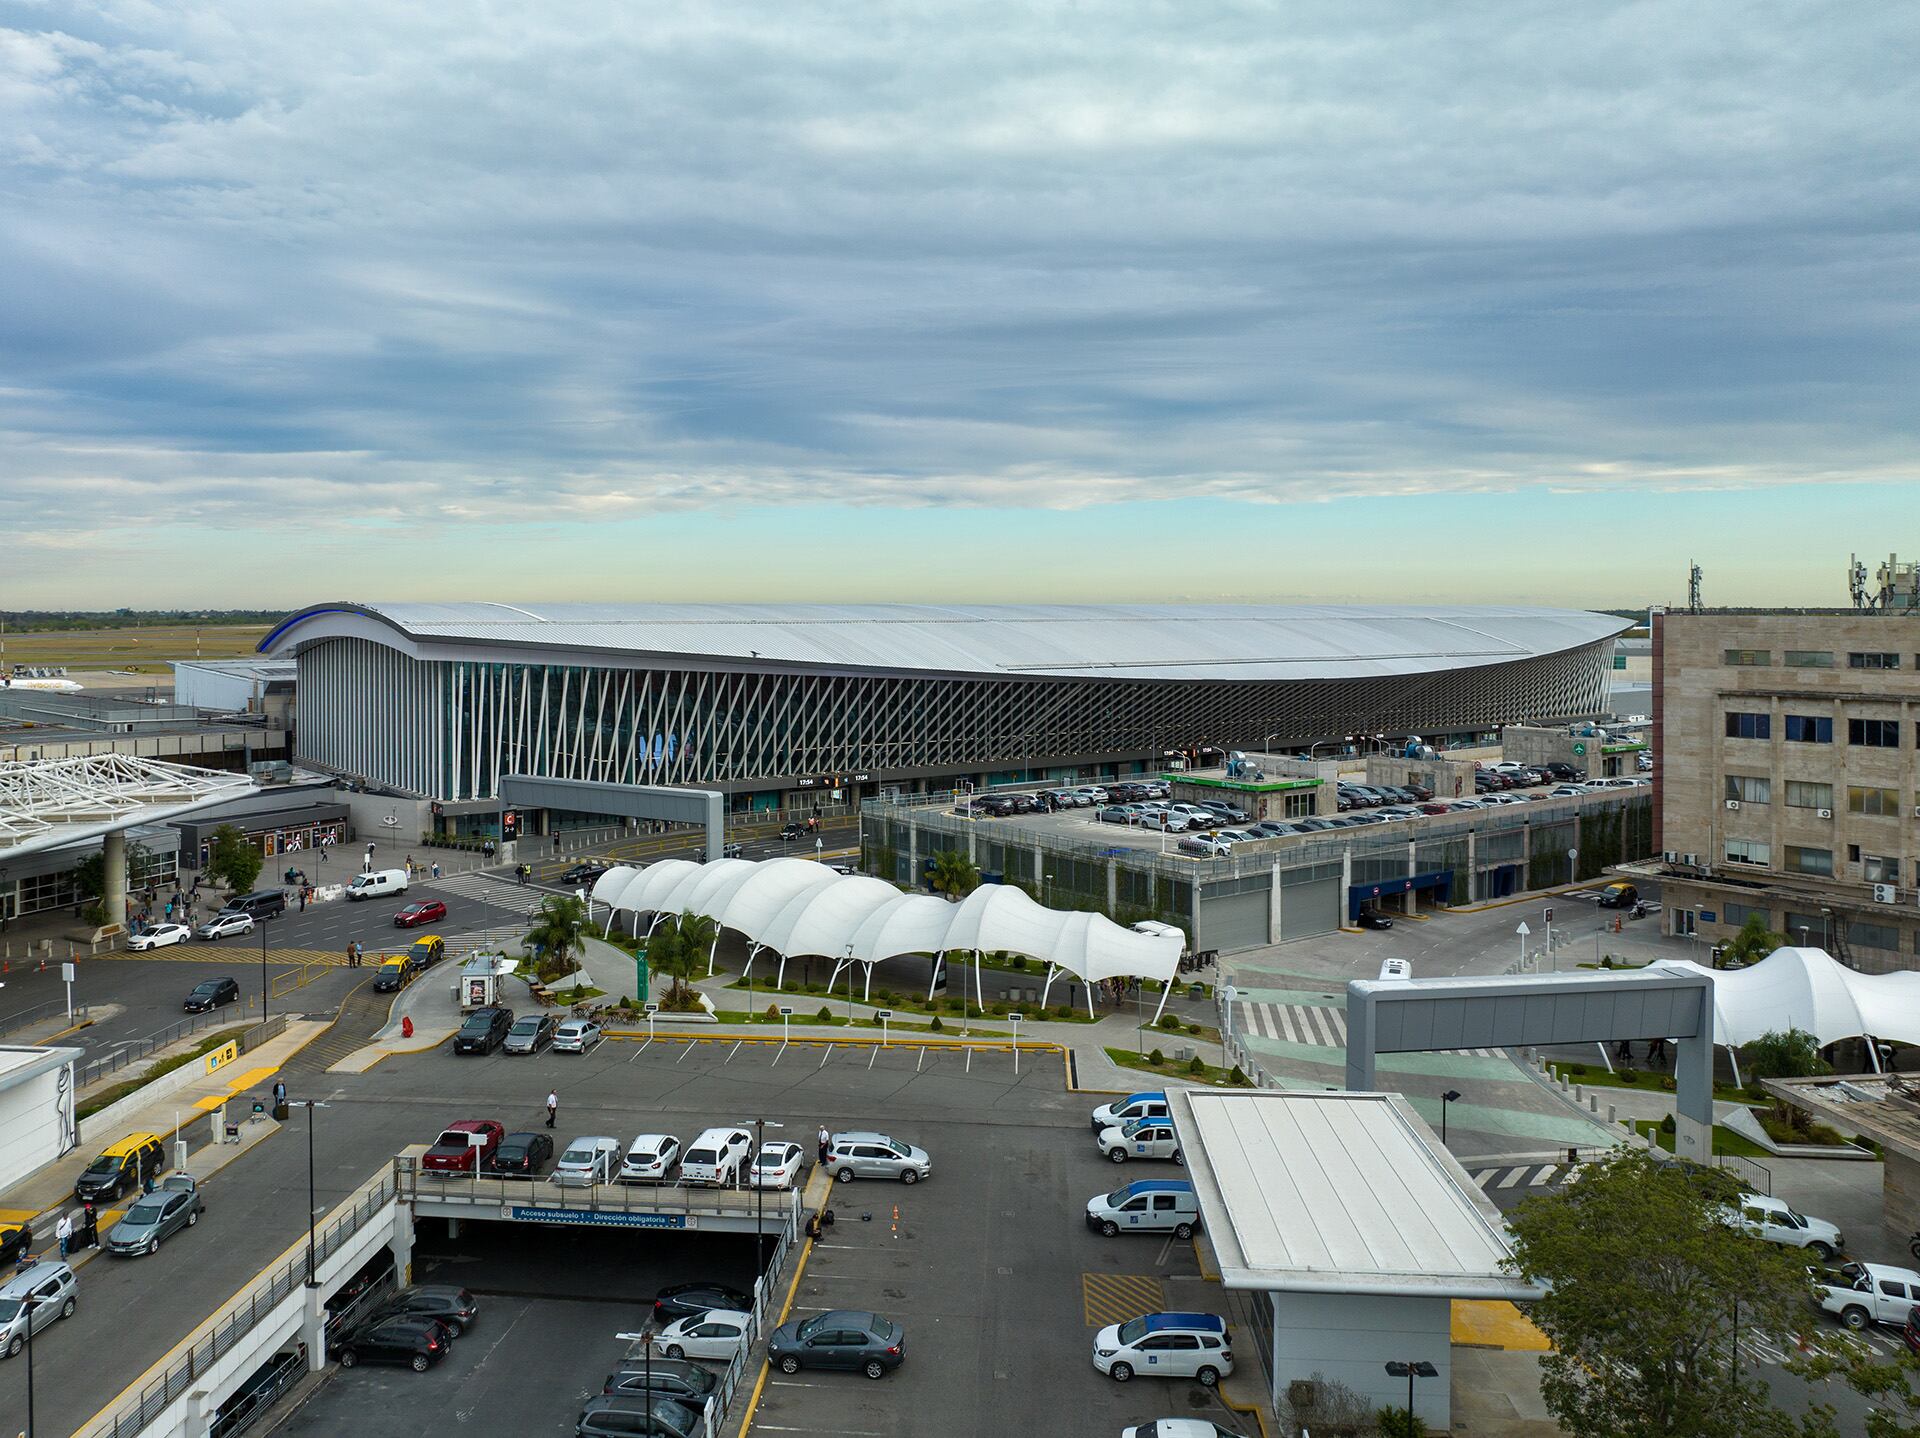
x=604, y=1218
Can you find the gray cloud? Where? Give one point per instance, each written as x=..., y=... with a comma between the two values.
x=328, y=265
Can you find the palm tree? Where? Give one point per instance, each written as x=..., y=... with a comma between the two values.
x=677, y=949
x=555, y=932
x=954, y=874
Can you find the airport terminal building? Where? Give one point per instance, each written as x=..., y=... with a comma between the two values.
x=787, y=706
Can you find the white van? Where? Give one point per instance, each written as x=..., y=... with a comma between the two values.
x=380, y=881
x=717, y=1157
x=1152, y=1104
x=1148, y=1205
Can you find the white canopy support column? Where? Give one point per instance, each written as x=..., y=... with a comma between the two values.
x=1166, y=989
x=1053, y=972
x=753, y=951
x=713, y=952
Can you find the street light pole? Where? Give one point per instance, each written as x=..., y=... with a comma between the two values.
x=1451, y=1096
x=263, y=970
x=29, y=1303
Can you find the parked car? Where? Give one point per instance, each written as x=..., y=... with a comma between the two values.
x=777, y=1165
x=576, y=1036
x=484, y=1030
x=717, y=1157
x=464, y=1147
x=1165, y=821
x=225, y=926
x=156, y=1217
x=53, y=1293
x=1143, y=1138
x=1372, y=918
x=717, y=1334
x=529, y=1034
x=392, y=975
x=1862, y=1294
x=211, y=994
x=15, y=1240
x=160, y=936
x=676, y=1378
x=1165, y=1345
x=452, y=1305
x=636, y=1415
x=688, y=1300
x=1151, y=1103
x=120, y=1168
x=848, y=1339
x=1178, y=1428
x=418, y=1343
x=521, y=1155
x=422, y=911
x=587, y=1161
x=1776, y=1221
x=1564, y=772
x=874, y=1155
x=650, y=1158
x=1567, y=791
x=1117, y=814
x=1317, y=826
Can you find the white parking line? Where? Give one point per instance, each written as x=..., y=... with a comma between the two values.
x=850, y=1432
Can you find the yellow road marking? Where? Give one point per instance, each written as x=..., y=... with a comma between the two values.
x=1115, y=1297
x=251, y=1077
x=806, y=1252
x=1496, y=1324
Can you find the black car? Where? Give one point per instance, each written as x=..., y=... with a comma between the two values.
x=636, y=1416
x=860, y=1342
x=418, y=1343
x=525, y=1155
x=1374, y=919
x=210, y=994
x=584, y=873
x=484, y=1031
x=453, y=1306
x=15, y=1240
x=793, y=830
x=1565, y=773
x=686, y=1299
x=677, y=1378
x=359, y=1296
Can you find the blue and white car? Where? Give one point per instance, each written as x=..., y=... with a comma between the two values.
x=1151, y=1104
x=1166, y=1345
x=1143, y=1138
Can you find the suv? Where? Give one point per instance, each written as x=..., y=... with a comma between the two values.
x=51, y=1287
x=1166, y=1345
x=457, y=1151
x=718, y=1157
x=874, y=1155
x=484, y=1031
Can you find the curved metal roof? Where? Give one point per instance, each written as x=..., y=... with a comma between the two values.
x=1136, y=641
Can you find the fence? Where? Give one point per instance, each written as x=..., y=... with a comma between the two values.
x=144, y=1048
x=415, y=1185
x=226, y=1328
x=40, y=1013
x=285, y=983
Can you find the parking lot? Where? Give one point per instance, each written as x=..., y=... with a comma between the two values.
x=988, y=1266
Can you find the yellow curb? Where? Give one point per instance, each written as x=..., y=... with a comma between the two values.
x=251, y=1077
x=746, y=1421
x=83, y=1024
x=1494, y=1323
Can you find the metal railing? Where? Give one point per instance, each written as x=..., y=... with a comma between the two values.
x=40, y=1013
x=220, y=1333
x=415, y=1184
x=139, y=1049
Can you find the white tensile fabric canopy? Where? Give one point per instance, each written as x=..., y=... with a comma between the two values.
x=795, y=907
x=1796, y=988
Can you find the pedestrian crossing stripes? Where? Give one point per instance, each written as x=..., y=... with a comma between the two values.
x=228, y=954
x=1519, y=1175
x=1315, y=1024
x=1115, y=1297
x=505, y=893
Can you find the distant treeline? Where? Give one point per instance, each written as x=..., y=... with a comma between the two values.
x=51, y=620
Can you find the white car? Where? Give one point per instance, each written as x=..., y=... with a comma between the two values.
x=1143, y=1138
x=159, y=937
x=1566, y=791
x=717, y=1157
x=1162, y=819
x=650, y=1158
x=1177, y=1428
x=222, y=926
x=777, y=1165
x=719, y=1333
x=576, y=1036
x=1166, y=1345
x=587, y=1161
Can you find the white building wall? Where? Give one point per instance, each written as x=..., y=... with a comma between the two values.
x=1350, y=1338
x=36, y=1120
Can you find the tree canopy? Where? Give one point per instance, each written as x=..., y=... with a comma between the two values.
x=232, y=860
x=954, y=874
x=1753, y=943
x=555, y=932
x=1793, y=1054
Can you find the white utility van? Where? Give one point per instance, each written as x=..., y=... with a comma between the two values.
x=1149, y=1205
x=1121, y=1112
x=380, y=881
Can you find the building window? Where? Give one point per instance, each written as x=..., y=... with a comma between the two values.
x=1874, y=733
x=1809, y=861
x=1748, y=658
x=1807, y=929
x=1297, y=806
x=1883, y=802
x=1749, y=790
x=1737, y=914
x=1803, y=794
x=1873, y=661
x=1749, y=851
x=1809, y=729
x=1809, y=659
x=1879, y=869
x=1749, y=726
x=1873, y=936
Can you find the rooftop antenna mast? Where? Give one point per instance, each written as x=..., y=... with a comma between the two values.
x=1693, y=587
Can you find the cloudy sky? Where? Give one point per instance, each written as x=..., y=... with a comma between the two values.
x=918, y=300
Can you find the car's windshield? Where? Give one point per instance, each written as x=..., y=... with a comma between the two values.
x=525, y=1026
x=479, y=1021
x=9, y=1309
x=147, y=1210
x=1118, y=1197
x=899, y=1148
x=206, y=988
x=1133, y=1330
x=103, y=1164
x=807, y=1329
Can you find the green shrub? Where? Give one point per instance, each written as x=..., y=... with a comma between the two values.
x=1065, y=1011
x=1019, y=961
x=936, y=1026
x=1607, y=962
x=1156, y=1058
x=623, y=1002
x=1667, y=1124
x=1666, y=1082
x=1628, y=1075
x=825, y=1015
x=1399, y=1423
x=1196, y=1065
x=1239, y=1077
x=1577, y=1070
x=1171, y=1024
x=773, y=1012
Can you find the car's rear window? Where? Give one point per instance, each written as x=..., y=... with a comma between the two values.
x=701, y=1155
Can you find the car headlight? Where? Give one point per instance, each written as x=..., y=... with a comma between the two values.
x=1105, y=1352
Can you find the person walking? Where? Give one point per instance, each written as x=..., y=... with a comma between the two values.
x=553, y=1106
x=63, y=1230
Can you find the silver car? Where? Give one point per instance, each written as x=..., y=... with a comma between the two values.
x=175, y=1205
x=874, y=1155
x=50, y=1286
x=576, y=1036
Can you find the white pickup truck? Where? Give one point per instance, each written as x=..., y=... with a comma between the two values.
x=1864, y=1293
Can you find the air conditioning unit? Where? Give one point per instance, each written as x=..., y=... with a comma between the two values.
x=1692, y=861
x=1733, y=803
x=1823, y=813
x=1669, y=856
x=1883, y=894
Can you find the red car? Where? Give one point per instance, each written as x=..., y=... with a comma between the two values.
x=426, y=911
x=456, y=1152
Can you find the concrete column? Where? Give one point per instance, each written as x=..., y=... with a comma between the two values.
x=313, y=1330
x=114, y=849
x=1113, y=885
x=1473, y=879
x=401, y=1244
x=1346, y=884
x=1693, y=1099
x=1040, y=873
x=196, y=1411
x=1273, y=907
x=1413, y=857
x=913, y=856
